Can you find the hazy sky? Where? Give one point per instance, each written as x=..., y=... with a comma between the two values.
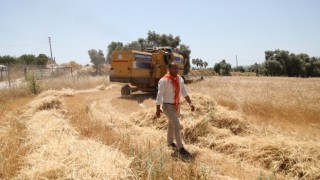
x=213, y=29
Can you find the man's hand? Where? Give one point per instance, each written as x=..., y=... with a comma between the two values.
x=190, y=103
x=158, y=112
x=192, y=107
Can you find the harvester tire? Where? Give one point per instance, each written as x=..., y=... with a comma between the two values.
x=125, y=90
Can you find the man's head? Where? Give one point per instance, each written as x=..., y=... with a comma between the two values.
x=173, y=68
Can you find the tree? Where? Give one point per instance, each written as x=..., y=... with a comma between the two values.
x=142, y=43
x=134, y=45
x=217, y=67
x=185, y=51
x=28, y=59
x=196, y=62
x=312, y=67
x=42, y=59
x=205, y=64
x=283, y=63
x=273, y=67
x=239, y=69
x=280, y=56
x=223, y=68
x=97, y=59
x=199, y=62
x=295, y=68
x=155, y=40
x=113, y=46
x=8, y=60
x=257, y=68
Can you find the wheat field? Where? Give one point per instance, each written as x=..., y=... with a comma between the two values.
x=243, y=128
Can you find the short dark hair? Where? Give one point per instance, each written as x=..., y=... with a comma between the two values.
x=172, y=64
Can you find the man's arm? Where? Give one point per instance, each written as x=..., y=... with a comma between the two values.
x=190, y=103
x=158, y=111
x=184, y=93
x=161, y=87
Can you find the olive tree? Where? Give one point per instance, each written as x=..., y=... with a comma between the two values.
x=97, y=59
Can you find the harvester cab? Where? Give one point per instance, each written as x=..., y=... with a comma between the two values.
x=142, y=70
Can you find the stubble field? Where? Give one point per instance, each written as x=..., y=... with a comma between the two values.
x=243, y=128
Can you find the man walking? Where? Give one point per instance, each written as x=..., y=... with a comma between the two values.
x=170, y=87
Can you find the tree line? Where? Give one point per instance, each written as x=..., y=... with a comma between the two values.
x=153, y=39
x=199, y=63
x=283, y=63
x=278, y=63
x=25, y=59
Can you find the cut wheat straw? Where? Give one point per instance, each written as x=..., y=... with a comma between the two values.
x=228, y=132
x=58, y=152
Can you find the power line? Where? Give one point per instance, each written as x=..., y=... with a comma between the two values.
x=20, y=45
x=10, y=30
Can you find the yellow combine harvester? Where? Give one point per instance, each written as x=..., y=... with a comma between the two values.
x=142, y=69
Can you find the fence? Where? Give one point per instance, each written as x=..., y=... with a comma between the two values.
x=49, y=72
x=3, y=72
x=14, y=73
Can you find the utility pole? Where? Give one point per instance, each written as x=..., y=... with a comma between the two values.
x=237, y=61
x=50, y=48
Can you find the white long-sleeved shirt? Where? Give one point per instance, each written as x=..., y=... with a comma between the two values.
x=166, y=91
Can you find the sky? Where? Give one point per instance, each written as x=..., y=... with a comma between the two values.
x=239, y=31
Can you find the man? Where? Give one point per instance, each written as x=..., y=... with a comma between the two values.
x=170, y=87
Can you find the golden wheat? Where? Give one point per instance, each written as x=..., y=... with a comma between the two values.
x=243, y=127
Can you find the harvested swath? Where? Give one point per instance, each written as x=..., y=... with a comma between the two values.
x=203, y=134
x=49, y=100
x=215, y=115
x=207, y=115
x=147, y=118
x=58, y=152
x=279, y=154
x=232, y=120
x=228, y=132
x=63, y=92
x=211, y=118
x=46, y=103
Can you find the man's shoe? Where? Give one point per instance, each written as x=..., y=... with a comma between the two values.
x=183, y=152
x=172, y=145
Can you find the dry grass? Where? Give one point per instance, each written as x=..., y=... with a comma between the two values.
x=58, y=151
x=288, y=102
x=284, y=111
x=151, y=158
x=82, y=82
x=13, y=133
x=17, y=92
x=243, y=128
x=229, y=132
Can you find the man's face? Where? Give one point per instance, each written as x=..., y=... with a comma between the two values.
x=174, y=69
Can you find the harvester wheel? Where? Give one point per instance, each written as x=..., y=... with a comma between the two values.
x=125, y=90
